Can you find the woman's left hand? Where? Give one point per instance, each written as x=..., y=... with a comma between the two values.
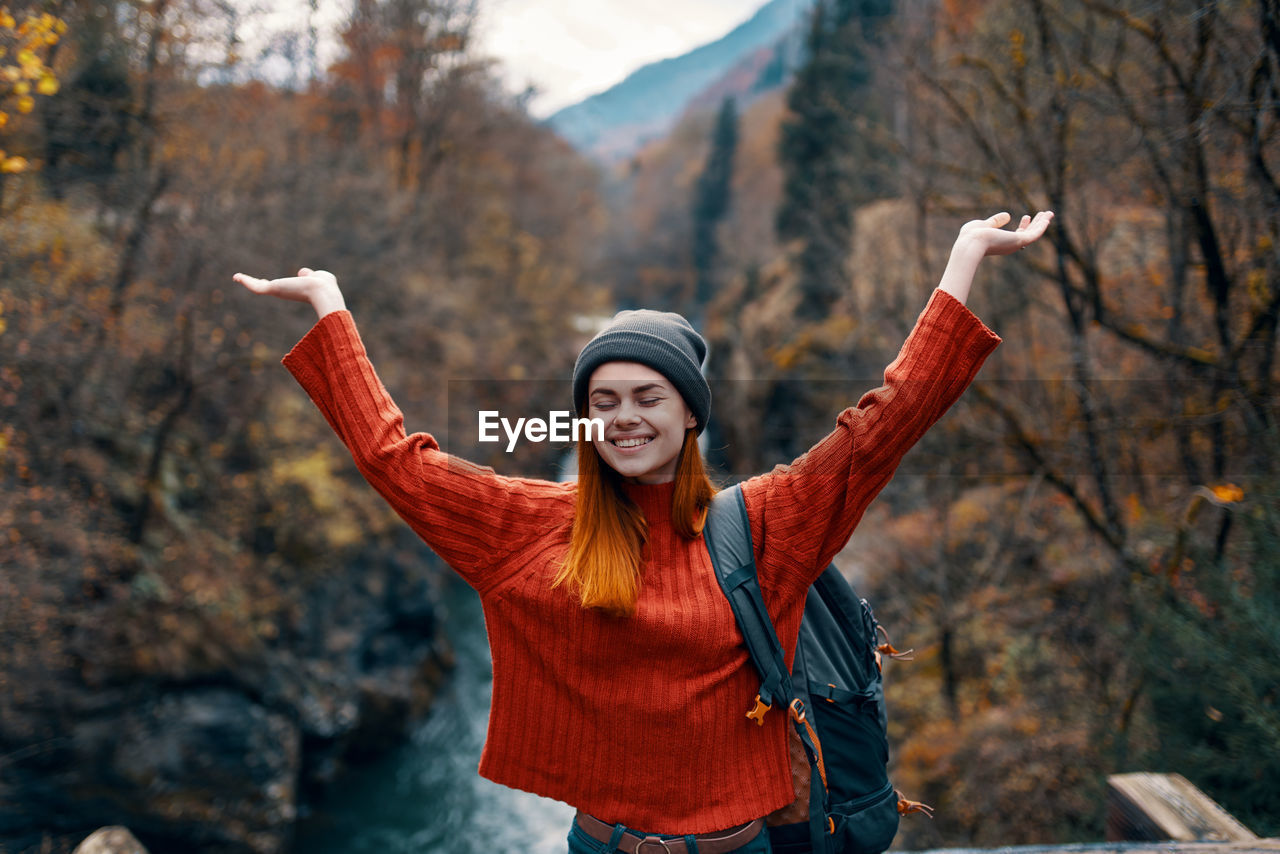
x=982, y=237
x=991, y=236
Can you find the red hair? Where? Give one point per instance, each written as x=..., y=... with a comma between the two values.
x=609, y=531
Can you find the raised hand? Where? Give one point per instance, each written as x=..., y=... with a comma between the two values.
x=982, y=237
x=317, y=287
x=991, y=235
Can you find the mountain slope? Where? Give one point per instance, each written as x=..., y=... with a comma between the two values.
x=614, y=123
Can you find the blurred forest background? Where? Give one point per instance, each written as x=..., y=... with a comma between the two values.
x=1085, y=554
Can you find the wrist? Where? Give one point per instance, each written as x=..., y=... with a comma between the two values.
x=968, y=248
x=326, y=299
x=957, y=278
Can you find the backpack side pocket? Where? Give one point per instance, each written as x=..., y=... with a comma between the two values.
x=866, y=825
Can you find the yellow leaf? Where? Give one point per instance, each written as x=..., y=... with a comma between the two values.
x=1228, y=493
x=11, y=73
x=11, y=165
x=4, y=119
x=48, y=85
x=22, y=87
x=7, y=21
x=26, y=104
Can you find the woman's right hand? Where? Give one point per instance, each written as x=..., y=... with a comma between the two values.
x=317, y=287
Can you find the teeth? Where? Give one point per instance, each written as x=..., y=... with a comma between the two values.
x=631, y=443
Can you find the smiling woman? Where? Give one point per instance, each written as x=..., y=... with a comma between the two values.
x=619, y=673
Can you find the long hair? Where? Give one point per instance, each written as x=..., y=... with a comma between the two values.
x=609, y=530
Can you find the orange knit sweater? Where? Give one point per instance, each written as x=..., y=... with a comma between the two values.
x=638, y=720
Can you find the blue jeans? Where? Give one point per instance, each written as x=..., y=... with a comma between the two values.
x=581, y=843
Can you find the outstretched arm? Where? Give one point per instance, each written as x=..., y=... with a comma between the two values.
x=469, y=515
x=982, y=237
x=803, y=514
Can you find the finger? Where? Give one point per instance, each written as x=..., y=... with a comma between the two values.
x=251, y=282
x=1000, y=220
x=1041, y=222
x=1033, y=231
x=1024, y=222
x=305, y=271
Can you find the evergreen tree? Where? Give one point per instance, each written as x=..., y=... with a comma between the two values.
x=711, y=199
x=832, y=152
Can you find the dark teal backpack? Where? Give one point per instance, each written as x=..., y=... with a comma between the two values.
x=834, y=695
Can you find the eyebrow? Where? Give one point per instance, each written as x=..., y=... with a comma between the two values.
x=640, y=389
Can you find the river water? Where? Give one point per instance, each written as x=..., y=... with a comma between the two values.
x=427, y=796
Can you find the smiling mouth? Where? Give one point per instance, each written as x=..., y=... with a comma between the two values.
x=632, y=443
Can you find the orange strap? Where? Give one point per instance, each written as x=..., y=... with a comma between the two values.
x=798, y=715
x=907, y=807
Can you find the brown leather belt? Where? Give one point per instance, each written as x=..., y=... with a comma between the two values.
x=720, y=842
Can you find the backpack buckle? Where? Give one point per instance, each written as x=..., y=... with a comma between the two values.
x=758, y=711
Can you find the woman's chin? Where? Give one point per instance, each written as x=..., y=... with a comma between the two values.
x=640, y=472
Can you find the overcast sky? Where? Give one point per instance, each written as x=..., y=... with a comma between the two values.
x=565, y=49
x=569, y=49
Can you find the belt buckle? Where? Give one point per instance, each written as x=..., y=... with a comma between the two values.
x=653, y=840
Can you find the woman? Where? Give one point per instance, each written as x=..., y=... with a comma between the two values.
x=620, y=679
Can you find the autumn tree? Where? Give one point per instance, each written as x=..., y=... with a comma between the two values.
x=26, y=41
x=1166, y=251
x=403, y=60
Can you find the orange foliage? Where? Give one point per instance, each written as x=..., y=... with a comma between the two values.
x=26, y=44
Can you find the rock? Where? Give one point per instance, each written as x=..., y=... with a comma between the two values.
x=216, y=760
x=206, y=764
x=111, y=840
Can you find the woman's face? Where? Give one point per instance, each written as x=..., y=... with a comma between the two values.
x=644, y=417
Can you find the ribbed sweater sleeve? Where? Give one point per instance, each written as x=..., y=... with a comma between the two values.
x=469, y=515
x=802, y=514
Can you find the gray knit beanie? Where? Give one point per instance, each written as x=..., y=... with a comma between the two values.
x=664, y=341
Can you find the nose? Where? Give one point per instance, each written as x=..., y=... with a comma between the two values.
x=627, y=414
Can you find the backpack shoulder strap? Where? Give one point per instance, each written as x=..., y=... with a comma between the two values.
x=728, y=537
